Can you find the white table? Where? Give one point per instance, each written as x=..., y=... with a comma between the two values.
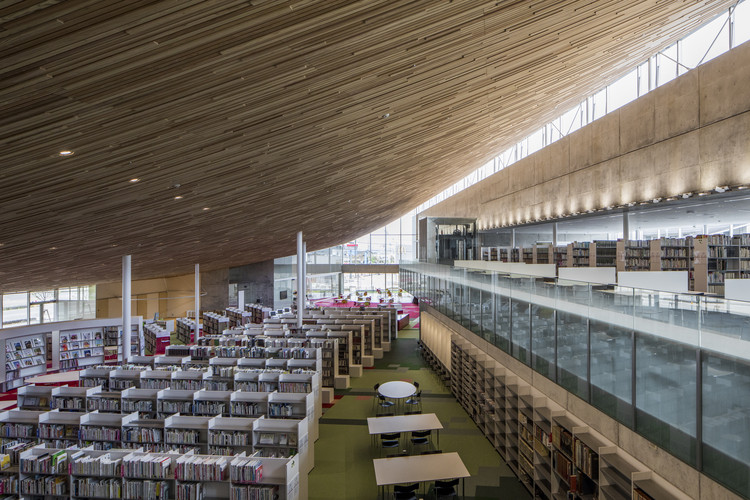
x=419, y=469
x=396, y=389
x=405, y=423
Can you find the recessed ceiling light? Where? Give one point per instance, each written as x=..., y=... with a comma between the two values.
x=178, y=197
x=134, y=180
x=65, y=152
x=206, y=208
x=53, y=248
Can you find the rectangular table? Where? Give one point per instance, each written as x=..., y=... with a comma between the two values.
x=419, y=469
x=405, y=423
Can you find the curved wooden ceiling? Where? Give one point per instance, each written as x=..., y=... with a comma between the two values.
x=333, y=117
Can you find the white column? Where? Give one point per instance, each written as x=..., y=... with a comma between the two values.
x=512, y=238
x=126, y=298
x=731, y=230
x=625, y=225
x=304, y=273
x=300, y=278
x=554, y=234
x=197, y=300
x=241, y=299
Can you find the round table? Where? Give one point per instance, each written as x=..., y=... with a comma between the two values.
x=396, y=389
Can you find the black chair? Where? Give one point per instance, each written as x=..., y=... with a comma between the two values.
x=375, y=388
x=390, y=441
x=445, y=489
x=420, y=438
x=384, y=404
x=415, y=400
x=405, y=492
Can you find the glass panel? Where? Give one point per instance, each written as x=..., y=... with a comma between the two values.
x=572, y=353
x=543, y=340
x=488, y=316
x=521, y=330
x=611, y=371
x=599, y=104
x=694, y=46
x=377, y=249
x=666, y=395
x=726, y=419
x=741, y=23
x=49, y=313
x=666, y=65
x=623, y=91
x=502, y=322
x=35, y=314
x=15, y=307
x=475, y=311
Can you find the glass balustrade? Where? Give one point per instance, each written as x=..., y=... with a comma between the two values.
x=673, y=367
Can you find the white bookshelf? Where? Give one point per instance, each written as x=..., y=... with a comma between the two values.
x=184, y=433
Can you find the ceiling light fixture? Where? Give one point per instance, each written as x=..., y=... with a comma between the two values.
x=721, y=189
x=687, y=195
x=704, y=193
x=206, y=208
x=178, y=197
x=65, y=152
x=134, y=180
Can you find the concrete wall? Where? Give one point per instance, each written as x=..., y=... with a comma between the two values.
x=684, y=477
x=688, y=135
x=256, y=280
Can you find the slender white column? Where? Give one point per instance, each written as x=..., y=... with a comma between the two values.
x=126, y=313
x=300, y=278
x=197, y=300
x=554, y=234
x=625, y=225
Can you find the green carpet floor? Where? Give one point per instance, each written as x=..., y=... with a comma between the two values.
x=343, y=453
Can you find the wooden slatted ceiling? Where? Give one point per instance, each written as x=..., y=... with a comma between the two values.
x=271, y=113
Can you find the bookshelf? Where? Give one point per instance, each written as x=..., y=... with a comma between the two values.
x=100, y=430
x=615, y=475
x=155, y=338
x=141, y=401
x=34, y=397
x=604, y=253
x=561, y=256
x=187, y=380
x=248, y=404
x=58, y=429
x=718, y=258
x=105, y=401
x=81, y=348
x=578, y=254
x=143, y=433
x=211, y=403
x=230, y=435
x=69, y=398
x=172, y=401
x=238, y=317
x=119, y=380
x=44, y=473
x=215, y=324
x=25, y=356
x=156, y=379
x=93, y=377
x=184, y=330
x=184, y=433
x=543, y=254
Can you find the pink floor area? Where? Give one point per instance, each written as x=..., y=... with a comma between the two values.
x=411, y=309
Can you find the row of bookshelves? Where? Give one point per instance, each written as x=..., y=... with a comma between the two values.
x=76, y=473
x=709, y=259
x=553, y=454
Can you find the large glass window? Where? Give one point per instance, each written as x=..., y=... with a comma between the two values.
x=521, y=330
x=543, y=340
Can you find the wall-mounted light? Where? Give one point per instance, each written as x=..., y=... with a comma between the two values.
x=721, y=189
x=687, y=195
